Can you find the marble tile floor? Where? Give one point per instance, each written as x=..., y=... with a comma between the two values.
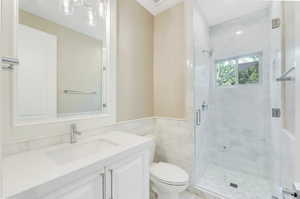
x=189, y=195
x=184, y=195
x=218, y=179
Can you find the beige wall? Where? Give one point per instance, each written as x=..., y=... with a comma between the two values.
x=135, y=63
x=79, y=58
x=169, y=63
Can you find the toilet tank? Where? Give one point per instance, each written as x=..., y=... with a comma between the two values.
x=152, y=149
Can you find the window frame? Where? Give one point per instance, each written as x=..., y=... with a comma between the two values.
x=237, y=84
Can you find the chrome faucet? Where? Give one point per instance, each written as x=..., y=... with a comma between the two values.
x=73, y=133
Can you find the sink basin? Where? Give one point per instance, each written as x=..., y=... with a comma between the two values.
x=74, y=152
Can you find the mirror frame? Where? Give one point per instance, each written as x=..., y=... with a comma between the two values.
x=108, y=117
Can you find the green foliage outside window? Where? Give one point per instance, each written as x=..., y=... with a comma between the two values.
x=249, y=75
x=226, y=73
x=242, y=70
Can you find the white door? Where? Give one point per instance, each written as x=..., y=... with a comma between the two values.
x=129, y=180
x=91, y=187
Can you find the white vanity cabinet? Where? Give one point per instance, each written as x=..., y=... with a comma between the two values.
x=91, y=187
x=124, y=177
x=129, y=179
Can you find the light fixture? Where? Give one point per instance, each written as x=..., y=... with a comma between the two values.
x=95, y=9
x=67, y=7
x=239, y=32
x=101, y=8
x=91, y=16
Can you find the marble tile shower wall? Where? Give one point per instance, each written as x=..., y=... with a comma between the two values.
x=241, y=113
x=240, y=129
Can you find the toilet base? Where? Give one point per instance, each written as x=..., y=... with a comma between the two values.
x=167, y=196
x=164, y=195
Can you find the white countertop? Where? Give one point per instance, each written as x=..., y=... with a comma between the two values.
x=24, y=171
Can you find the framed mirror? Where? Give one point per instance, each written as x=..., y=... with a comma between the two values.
x=63, y=47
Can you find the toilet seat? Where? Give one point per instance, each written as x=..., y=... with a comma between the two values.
x=169, y=174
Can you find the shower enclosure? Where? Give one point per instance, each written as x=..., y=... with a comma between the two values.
x=240, y=136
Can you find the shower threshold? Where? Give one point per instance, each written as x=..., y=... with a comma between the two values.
x=227, y=184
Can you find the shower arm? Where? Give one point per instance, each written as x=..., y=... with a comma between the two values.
x=284, y=77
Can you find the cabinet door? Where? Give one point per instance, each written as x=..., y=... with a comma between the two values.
x=130, y=179
x=91, y=187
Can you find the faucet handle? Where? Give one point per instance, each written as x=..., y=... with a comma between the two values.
x=74, y=129
x=73, y=133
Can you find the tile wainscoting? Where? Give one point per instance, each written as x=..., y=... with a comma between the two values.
x=174, y=142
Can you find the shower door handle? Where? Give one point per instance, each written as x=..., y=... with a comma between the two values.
x=198, y=117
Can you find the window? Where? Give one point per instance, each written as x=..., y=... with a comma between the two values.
x=240, y=70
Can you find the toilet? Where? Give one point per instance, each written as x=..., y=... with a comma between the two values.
x=167, y=180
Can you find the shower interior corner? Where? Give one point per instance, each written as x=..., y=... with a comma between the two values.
x=232, y=86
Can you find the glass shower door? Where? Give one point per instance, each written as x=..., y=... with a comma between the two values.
x=201, y=76
x=243, y=149
x=232, y=96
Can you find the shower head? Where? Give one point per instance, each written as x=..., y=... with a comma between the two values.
x=208, y=52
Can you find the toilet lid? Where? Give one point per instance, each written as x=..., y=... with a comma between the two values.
x=169, y=173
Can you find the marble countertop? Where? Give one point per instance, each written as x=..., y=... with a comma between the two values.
x=25, y=171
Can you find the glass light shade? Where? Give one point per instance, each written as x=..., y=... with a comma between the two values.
x=101, y=8
x=91, y=17
x=67, y=7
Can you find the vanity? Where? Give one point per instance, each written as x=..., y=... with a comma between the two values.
x=114, y=165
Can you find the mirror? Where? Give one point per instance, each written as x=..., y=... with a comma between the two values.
x=61, y=46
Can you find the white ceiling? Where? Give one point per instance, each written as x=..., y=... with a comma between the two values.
x=157, y=6
x=215, y=11
x=50, y=9
x=218, y=11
